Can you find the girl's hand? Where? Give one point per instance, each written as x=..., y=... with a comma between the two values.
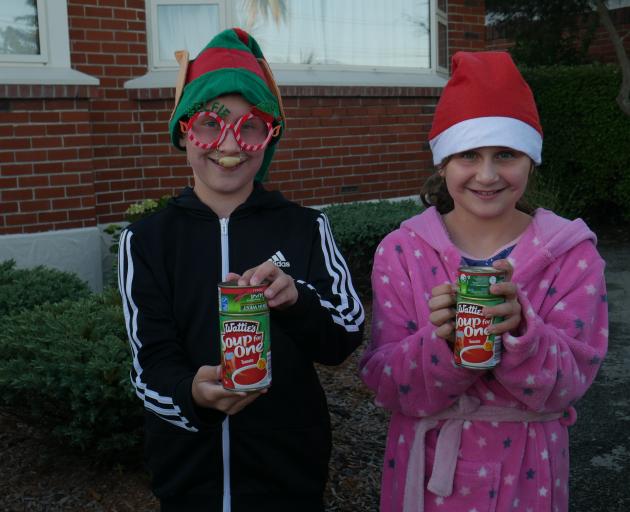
x=281, y=292
x=442, y=307
x=208, y=392
x=510, y=310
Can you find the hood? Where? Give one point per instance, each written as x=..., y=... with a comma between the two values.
x=259, y=199
x=547, y=238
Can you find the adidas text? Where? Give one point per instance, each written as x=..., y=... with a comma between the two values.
x=279, y=260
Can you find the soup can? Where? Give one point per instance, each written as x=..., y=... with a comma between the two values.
x=475, y=347
x=245, y=337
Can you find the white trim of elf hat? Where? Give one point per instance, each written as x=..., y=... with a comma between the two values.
x=487, y=131
x=486, y=102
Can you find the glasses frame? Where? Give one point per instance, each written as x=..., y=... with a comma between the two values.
x=273, y=131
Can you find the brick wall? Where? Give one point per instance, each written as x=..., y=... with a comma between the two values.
x=466, y=25
x=46, y=158
x=349, y=144
x=79, y=156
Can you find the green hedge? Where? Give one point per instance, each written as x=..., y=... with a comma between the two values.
x=586, y=150
x=358, y=229
x=66, y=366
x=22, y=289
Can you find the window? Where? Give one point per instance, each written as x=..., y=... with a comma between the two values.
x=20, y=40
x=29, y=53
x=442, y=36
x=177, y=25
x=349, y=42
x=362, y=33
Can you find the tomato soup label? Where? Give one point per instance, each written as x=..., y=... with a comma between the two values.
x=245, y=351
x=474, y=346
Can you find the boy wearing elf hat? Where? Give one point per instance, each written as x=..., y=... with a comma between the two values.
x=461, y=438
x=208, y=448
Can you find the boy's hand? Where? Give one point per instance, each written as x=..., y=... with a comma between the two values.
x=510, y=310
x=208, y=392
x=442, y=307
x=281, y=292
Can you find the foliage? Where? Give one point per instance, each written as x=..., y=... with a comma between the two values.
x=25, y=288
x=545, y=32
x=66, y=366
x=135, y=212
x=586, y=155
x=359, y=228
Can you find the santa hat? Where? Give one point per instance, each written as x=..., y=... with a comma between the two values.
x=486, y=102
x=231, y=63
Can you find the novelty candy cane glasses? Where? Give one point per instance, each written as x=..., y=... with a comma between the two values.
x=252, y=131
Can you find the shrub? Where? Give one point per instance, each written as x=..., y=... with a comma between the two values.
x=586, y=155
x=359, y=228
x=66, y=366
x=135, y=212
x=25, y=288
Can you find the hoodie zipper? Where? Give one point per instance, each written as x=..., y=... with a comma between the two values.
x=225, y=268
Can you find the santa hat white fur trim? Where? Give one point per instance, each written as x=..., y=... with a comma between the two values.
x=487, y=131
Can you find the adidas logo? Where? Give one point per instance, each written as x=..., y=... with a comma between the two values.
x=279, y=260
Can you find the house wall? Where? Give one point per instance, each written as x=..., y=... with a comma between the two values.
x=75, y=157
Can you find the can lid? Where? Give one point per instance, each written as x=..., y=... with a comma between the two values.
x=481, y=270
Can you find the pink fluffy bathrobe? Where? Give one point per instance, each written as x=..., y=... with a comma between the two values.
x=462, y=440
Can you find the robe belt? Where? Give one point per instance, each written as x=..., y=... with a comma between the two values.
x=466, y=408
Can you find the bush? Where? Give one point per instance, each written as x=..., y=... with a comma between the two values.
x=135, y=212
x=22, y=289
x=66, y=366
x=359, y=228
x=586, y=155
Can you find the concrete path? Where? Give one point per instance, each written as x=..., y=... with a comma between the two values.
x=600, y=440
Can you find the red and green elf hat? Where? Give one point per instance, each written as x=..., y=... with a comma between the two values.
x=231, y=63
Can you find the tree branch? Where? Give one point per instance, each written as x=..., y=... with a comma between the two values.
x=623, y=98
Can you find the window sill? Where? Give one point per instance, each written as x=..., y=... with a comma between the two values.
x=158, y=79
x=44, y=75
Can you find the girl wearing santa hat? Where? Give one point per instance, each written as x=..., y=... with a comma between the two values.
x=462, y=439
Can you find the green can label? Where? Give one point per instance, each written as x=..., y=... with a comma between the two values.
x=242, y=299
x=476, y=281
x=475, y=347
x=245, y=337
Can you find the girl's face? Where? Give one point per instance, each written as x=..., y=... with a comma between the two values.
x=487, y=182
x=214, y=182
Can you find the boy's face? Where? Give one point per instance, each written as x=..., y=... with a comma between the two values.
x=214, y=183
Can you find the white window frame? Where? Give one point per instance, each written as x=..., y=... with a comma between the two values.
x=159, y=75
x=440, y=17
x=52, y=65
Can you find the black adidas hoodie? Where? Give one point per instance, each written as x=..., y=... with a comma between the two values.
x=273, y=455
